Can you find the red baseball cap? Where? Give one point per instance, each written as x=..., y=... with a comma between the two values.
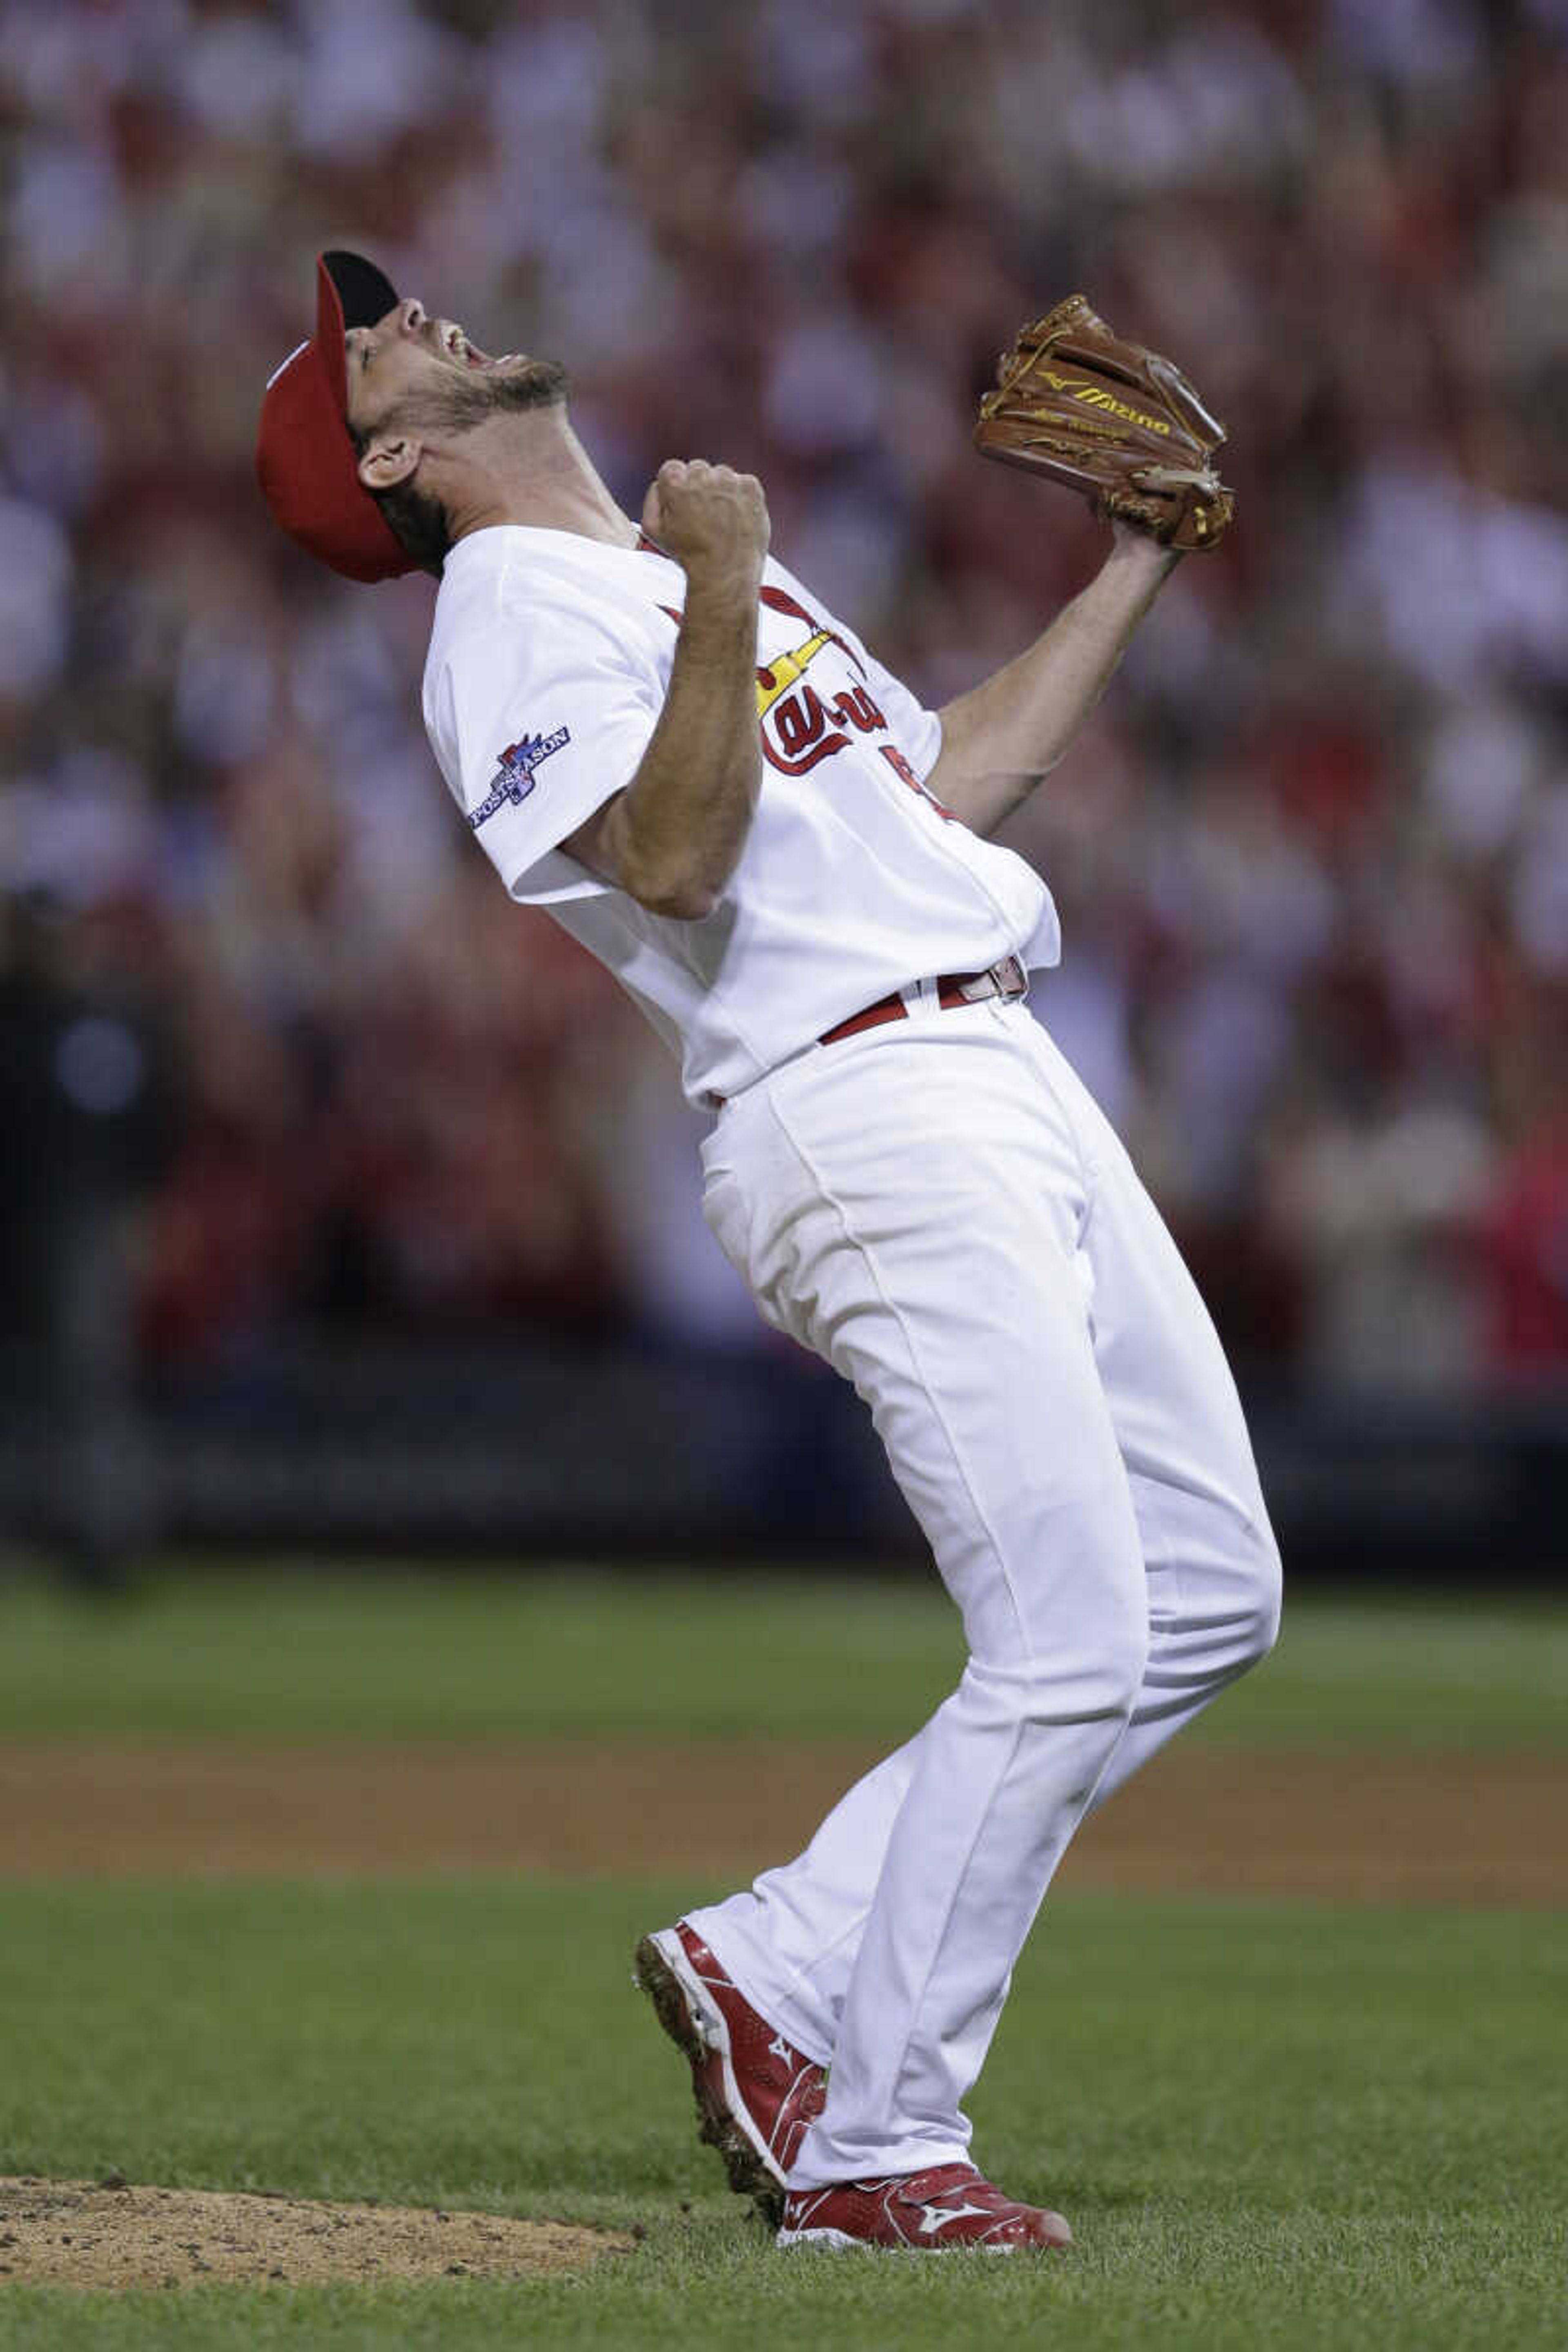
x=304, y=453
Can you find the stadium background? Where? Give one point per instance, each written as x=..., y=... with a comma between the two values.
x=338, y=1190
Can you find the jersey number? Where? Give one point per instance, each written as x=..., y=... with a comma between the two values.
x=901, y=767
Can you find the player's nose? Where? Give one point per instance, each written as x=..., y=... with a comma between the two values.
x=412, y=317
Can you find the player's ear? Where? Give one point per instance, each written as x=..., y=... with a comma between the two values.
x=388, y=461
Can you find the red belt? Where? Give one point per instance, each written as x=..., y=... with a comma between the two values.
x=1006, y=979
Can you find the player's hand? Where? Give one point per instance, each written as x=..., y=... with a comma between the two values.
x=712, y=521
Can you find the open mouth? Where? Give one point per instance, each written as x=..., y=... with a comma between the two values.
x=457, y=346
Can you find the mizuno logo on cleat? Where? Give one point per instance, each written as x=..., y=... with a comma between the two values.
x=936, y=2217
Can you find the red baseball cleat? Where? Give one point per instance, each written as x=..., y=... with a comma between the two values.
x=950, y=2205
x=755, y=2092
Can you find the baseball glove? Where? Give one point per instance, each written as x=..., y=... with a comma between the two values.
x=1119, y=425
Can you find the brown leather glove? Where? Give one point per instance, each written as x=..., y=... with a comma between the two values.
x=1119, y=425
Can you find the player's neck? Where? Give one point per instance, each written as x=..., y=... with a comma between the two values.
x=540, y=475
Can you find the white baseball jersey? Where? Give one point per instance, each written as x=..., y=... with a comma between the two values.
x=550, y=658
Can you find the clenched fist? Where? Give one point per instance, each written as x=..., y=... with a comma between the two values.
x=712, y=521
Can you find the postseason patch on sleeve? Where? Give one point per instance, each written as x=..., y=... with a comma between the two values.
x=513, y=779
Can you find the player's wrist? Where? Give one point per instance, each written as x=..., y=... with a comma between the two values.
x=1140, y=551
x=723, y=591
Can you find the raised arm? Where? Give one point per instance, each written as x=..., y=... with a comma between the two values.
x=999, y=739
x=673, y=838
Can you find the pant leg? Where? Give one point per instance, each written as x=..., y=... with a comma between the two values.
x=1210, y=1558
x=916, y=1214
x=790, y=1940
x=1209, y=1561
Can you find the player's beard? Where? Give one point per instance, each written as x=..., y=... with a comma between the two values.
x=418, y=520
x=469, y=400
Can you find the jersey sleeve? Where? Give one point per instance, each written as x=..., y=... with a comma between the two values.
x=916, y=731
x=536, y=719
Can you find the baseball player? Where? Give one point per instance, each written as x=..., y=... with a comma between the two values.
x=665, y=739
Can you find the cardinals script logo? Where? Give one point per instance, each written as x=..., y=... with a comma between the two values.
x=800, y=727
x=513, y=779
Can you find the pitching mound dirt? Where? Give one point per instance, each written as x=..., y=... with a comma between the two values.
x=83, y=2234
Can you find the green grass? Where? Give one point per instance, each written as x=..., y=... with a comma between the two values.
x=1272, y=2124
x=581, y=1655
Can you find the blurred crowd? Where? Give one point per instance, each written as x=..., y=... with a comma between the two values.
x=265, y=1008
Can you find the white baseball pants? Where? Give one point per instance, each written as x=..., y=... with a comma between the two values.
x=939, y=1208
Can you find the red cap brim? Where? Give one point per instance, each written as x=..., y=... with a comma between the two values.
x=304, y=454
